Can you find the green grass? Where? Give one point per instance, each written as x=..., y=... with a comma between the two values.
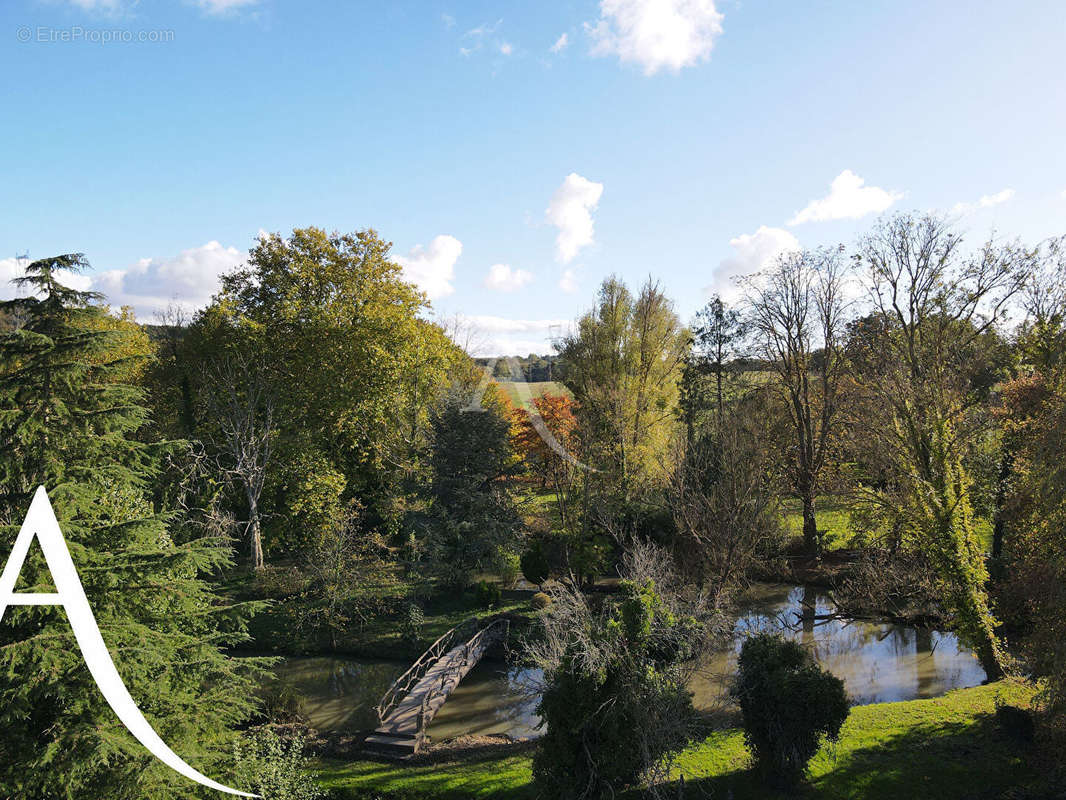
x=508, y=777
x=947, y=748
x=536, y=389
x=831, y=514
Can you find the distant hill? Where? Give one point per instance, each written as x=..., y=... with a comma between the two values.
x=534, y=368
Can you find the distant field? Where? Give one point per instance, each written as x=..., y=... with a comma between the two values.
x=535, y=389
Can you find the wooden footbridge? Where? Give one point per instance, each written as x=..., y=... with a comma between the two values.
x=412, y=701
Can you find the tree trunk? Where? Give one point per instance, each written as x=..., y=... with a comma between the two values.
x=1006, y=465
x=810, y=527
x=255, y=535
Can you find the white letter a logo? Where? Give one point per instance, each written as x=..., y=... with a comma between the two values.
x=41, y=522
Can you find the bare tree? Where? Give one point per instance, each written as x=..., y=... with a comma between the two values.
x=797, y=312
x=723, y=500
x=241, y=402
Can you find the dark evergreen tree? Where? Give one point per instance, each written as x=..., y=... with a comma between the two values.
x=475, y=521
x=69, y=423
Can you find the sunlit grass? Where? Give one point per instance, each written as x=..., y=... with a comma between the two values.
x=946, y=748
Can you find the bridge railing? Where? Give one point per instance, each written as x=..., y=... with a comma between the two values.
x=402, y=686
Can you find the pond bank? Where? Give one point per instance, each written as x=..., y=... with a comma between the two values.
x=879, y=662
x=949, y=748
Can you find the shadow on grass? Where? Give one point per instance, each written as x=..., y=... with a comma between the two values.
x=946, y=761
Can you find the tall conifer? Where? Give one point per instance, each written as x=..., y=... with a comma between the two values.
x=68, y=422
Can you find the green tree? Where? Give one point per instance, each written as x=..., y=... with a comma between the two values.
x=789, y=705
x=354, y=369
x=940, y=303
x=70, y=423
x=474, y=521
x=615, y=700
x=623, y=364
x=718, y=337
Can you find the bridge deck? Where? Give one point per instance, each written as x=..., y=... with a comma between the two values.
x=401, y=732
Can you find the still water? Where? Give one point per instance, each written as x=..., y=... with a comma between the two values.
x=878, y=663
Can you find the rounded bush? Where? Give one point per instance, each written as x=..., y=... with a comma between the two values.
x=789, y=705
x=487, y=594
x=534, y=563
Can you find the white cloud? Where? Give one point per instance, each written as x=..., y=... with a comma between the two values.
x=9, y=270
x=848, y=198
x=753, y=252
x=432, y=269
x=1062, y=194
x=986, y=201
x=188, y=280
x=500, y=336
x=570, y=211
x=218, y=7
x=484, y=29
x=502, y=278
x=656, y=34
x=506, y=48
x=560, y=44
x=97, y=5
x=568, y=282
x=448, y=20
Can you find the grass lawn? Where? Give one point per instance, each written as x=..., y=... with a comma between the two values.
x=536, y=389
x=948, y=748
x=831, y=514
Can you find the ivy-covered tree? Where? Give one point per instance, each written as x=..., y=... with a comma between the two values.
x=941, y=304
x=69, y=422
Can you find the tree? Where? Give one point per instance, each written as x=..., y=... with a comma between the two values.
x=545, y=455
x=939, y=304
x=69, y=422
x=241, y=403
x=623, y=364
x=723, y=501
x=718, y=337
x=797, y=314
x=356, y=372
x=789, y=705
x=474, y=521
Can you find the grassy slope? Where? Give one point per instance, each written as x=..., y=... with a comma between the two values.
x=536, y=389
x=944, y=748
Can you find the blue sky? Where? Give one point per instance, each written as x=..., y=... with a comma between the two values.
x=676, y=138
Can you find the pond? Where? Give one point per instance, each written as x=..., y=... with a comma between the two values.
x=878, y=662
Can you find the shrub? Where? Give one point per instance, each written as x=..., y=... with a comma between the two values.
x=535, y=568
x=487, y=594
x=789, y=704
x=615, y=700
x=540, y=600
x=510, y=569
x=413, y=620
x=273, y=767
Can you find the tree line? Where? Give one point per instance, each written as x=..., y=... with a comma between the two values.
x=313, y=414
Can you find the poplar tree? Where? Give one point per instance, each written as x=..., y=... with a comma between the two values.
x=70, y=423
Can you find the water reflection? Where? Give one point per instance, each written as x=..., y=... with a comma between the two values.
x=877, y=662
